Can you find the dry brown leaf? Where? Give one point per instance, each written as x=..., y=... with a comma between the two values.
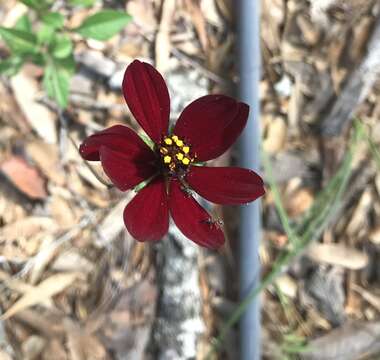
x=46, y=289
x=25, y=177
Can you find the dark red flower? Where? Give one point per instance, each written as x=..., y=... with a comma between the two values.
x=205, y=129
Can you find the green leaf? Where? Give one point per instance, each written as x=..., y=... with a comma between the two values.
x=11, y=65
x=57, y=79
x=23, y=23
x=45, y=34
x=30, y=3
x=19, y=41
x=37, y=59
x=37, y=4
x=67, y=64
x=104, y=24
x=53, y=19
x=62, y=46
x=85, y=3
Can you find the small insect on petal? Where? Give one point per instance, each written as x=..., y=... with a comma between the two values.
x=214, y=222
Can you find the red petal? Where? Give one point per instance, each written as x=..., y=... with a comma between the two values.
x=148, y=99
x=125, y=171
x=211, y=124
x=226, y=185
x=147, y=215
x=118, y=138
x=193, y=221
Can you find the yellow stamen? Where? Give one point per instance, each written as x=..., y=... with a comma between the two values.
x=186, y=149
x=164, y=150
x=168, y=141
x=167, y=159
x=179, y=156
x=179, y=143
x=185, y=161
x=175, y=138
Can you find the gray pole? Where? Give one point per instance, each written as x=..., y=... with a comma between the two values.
x=249, y=60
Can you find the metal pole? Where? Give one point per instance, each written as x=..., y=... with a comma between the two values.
x=249, y=61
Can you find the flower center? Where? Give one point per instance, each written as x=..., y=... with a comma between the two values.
x=175, y=154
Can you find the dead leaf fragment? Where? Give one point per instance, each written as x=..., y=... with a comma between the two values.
x=25, y=177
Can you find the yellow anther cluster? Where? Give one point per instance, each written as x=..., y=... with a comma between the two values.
x=185, y=161
x=175, y=152
x=167, y=159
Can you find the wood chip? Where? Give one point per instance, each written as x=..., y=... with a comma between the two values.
x=46, y=156
x=337, y=254
x=25, y=177
x=276, y=135
x=42, y=120
x=46, y=289
x=351, y=341
x=163, y=43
